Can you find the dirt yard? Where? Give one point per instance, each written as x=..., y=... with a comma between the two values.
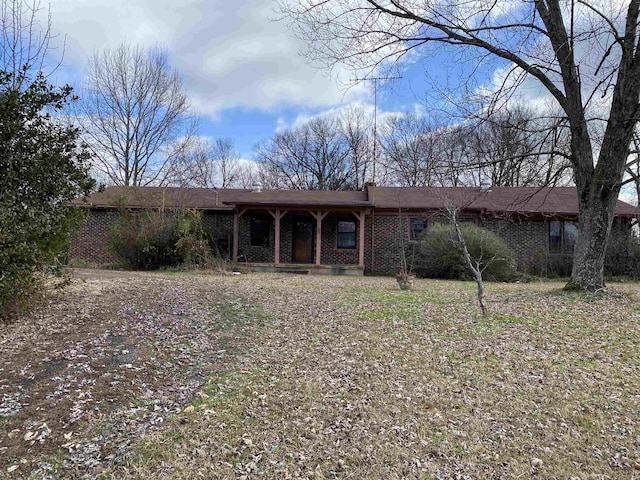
x=105, y=361
x=130, y=375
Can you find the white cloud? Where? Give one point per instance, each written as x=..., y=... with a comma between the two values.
x=281, y=125
x=231, y=54
x=337, y=113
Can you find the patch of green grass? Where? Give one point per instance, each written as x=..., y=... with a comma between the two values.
x=239, y=312
x=5, y=422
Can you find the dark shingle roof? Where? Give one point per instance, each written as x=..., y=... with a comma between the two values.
x=560, y=201
x=169, y=197
x=208, y=198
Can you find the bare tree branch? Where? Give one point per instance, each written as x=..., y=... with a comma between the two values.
x=135, y=114
x=25, y=43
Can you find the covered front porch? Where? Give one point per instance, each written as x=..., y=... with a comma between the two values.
x=321, y=240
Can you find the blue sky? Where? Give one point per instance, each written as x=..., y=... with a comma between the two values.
x=243, y=71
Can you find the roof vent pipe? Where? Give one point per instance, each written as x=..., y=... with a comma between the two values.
x=485, y=186
x=257, y=187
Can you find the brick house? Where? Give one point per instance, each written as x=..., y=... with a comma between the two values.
x=350, y=231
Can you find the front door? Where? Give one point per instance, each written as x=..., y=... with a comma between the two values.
x=303, y=240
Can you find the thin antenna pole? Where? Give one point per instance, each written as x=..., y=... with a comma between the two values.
x=375, y=117
x=375, y=128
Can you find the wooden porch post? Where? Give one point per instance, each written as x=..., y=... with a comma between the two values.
x=277, y=215
x=318, y=215
x=236, y=228
x=360, y=217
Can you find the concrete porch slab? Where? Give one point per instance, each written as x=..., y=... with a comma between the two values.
x=304, y=268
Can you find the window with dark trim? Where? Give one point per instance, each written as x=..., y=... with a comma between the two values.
x=416, y=227
x=260, y=230
x=346, y=234
x=562, y=236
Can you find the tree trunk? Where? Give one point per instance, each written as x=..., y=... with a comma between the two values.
x=598, y=190
x=594, y=226
x=475, y=269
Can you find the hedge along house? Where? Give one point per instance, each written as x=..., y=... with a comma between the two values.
x=350, y=232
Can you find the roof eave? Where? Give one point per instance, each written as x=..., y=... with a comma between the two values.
x=304, y=205
x=97, y=206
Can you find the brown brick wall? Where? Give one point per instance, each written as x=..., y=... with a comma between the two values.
x=529, y=240
x=249, y=253
x=390, y=231
x=286, y=239
x=90, y=242
x=219, y=226
x=331, y=254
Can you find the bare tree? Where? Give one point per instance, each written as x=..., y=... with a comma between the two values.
x=512, y=148
x=227, y=161
x=409, y=143
x=25, y=43
x=476, y=267
x=191, y=166
x=313, y=156
x=509, y=148
x=269, y=175
x=357, y=126
x=213, y=164
x=248, y=174
x=135, y=114
x=453, y=144
x=578, y=51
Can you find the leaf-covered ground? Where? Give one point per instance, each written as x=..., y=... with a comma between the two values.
x=125, y=375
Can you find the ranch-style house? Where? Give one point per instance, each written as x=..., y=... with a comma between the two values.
x=350, y=232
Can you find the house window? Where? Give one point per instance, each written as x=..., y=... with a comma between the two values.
x=260, y=229
x=562, y=236
x=416, y=226
x=346, y=234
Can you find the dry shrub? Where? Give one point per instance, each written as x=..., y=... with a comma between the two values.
x=152, y=239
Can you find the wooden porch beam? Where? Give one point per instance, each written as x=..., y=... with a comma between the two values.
x=236, y=228
x=318, y=215
x=277, y=215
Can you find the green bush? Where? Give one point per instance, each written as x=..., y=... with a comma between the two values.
x=438, y=254
x=151, y=239
x=43, y=165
